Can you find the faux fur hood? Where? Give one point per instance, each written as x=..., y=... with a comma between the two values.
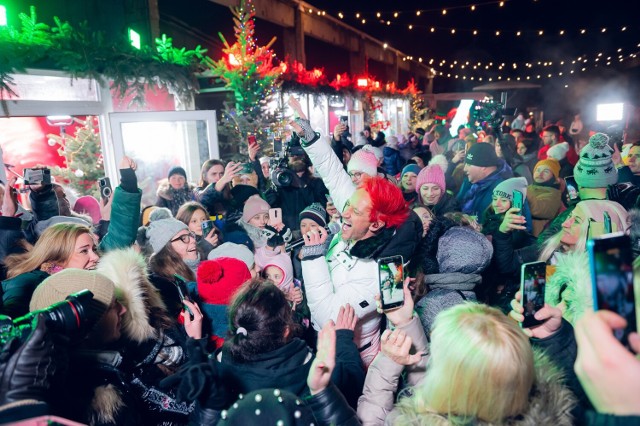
x=550, y=403
x=570, y=285
x=164, y=189
x=105, y=405
x=146, y=312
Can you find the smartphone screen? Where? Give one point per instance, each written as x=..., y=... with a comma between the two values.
x=391, y=280
x=607, y=223
x=532, y=285
x=612, y=279
x=517, y=200
x=207, y=226
x=277, y=145
x=275, y=216
x=572, y=190
x=247, y=169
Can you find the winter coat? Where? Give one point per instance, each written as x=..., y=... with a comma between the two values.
x=393, y=162
x=211, y=199
x=447, y=203
x=475, y=198
x=17, y=291
x=626, y=175
x=545, y=203
x=293, y=199
x=287, y=368
x=350, y=274
x=11, y=235
x=125, y=216
x=445, y=291
x=173, y=199
x=521, y=168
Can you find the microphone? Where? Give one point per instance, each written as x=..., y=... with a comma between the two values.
x=332, y=228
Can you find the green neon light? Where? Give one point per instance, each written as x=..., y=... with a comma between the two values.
x=134, y=38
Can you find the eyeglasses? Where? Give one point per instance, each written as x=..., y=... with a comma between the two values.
x=356, y=175
x=185, y=238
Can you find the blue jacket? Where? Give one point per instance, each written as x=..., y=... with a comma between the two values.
x=393, y=162
x=475, y=198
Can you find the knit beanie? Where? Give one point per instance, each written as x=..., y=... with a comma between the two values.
x=482, y=155
x=431, y=174
x=410, y=168
x=253, y=206
x=219, y=279
x=392, y=142
x=363, y=161
x=268, y=407
x=558, y=151
x=505, y=188
x=160, y=232
x=375, y=151
x=88, y=205
x=595, y=169
x=440, y=161
x=461, y=249
x=316, y=213
x=241, y=193
x=236, y=251
x=264, y=160
x=58, y=286
x=160, y=213
x=552, y=164
x=283, y=262
x=177, y=170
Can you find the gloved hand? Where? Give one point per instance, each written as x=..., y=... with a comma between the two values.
x=28, y=363
x=198, y=380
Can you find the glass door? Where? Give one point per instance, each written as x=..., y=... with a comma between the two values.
x=158, y=141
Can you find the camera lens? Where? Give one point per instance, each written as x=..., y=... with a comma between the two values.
x=106, y=191
x=284, y=178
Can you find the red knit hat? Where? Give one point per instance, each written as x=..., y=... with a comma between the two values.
x=220, y=278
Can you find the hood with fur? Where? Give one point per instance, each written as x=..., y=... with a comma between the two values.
x=146, y=312
x=550, y=403
x=570, y=285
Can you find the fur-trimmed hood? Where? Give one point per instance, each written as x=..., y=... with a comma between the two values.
x=164, y=189
x=550, y=403
x=146, y=312
x=570, y=285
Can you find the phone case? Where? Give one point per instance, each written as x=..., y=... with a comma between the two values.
x=387, y=282
x=529, y=320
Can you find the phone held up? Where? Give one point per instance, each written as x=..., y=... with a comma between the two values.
x=275, y=216
x=37, y=176
x=573, y=196
x=611, y=264
x=518, y=200
x=532, y=286
x=207, y=227
x=391, y=282
x=183, y=292
x=105, y=188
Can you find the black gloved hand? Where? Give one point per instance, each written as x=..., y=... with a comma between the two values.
x=28, y=363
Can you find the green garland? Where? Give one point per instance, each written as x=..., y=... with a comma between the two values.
x=86, y=54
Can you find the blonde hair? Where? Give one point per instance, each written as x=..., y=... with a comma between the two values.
x=481, y=367
x=56, y=245
x=594, y=213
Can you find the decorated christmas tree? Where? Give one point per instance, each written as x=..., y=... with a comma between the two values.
x=83, y=157
x=249, y=72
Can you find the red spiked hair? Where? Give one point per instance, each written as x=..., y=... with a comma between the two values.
x=387, y=203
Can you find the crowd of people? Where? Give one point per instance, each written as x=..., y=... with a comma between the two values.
x=253, y=295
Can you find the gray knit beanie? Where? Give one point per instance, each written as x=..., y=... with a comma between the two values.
x=160, y=232
x=236, y=251
x=463, y=250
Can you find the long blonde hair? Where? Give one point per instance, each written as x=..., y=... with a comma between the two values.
x=481, y=367
x=55, y=245
x=594, y=212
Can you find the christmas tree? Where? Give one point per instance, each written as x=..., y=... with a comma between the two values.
x=249, y=72
x=83, y=157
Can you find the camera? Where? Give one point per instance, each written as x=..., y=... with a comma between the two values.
x=70, y=317
x=105, y=187
x=37, y=176
x=279, y=173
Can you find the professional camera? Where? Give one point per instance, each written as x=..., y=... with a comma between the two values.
x=38, y=176
x=70, y=317
x=279, y=172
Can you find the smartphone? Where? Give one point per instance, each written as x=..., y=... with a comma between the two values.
x=573, y=196
x=105, y=188
x=275, y=216
x=251, y=139
x=207, y=227
x=533, y=279
x=518, y=200
x=181, y=286
x=391, y=282
x=247, y=169
x=607, y=223
x=611, y=264
x=344, y=119
x=277, y=145
x=37, y=176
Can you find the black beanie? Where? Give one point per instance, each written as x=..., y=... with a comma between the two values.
x=482, y=155
x=177, y=170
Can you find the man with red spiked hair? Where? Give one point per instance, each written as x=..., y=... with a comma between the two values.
x=376, y=223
